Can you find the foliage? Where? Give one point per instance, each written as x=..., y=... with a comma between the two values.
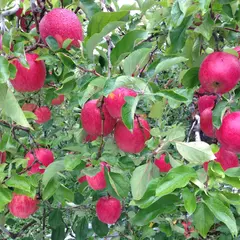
x=155, y=48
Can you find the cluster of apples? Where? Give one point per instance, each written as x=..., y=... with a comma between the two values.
x=23, y=206
x=219, y=73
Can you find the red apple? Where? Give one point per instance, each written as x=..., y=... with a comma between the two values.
x=32, y=79
x=226, y=158
x=219, y=72
x=30, y=107
x=82, y=179
x=59, y=100
x=162, y=164
x=238, y=50
x=98, y=181
x=115, y=101
x=90, y=138
x=43, y=115
x=229, y=132
x=3, y=157
x=44, y=156
x=92, y=121
x=206, y=102
x=19, y=11
x=61, y=24
x=22, y=206
x=108, y=209
x=206, y=123
x=132, y=142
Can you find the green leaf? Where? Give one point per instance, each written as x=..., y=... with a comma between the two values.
x=222, y=213
x=157, y=109
x=10, y=106
x=164, y=205
x=141, y=176
x=95, y=86
x=126, y=45
x=19, y=182
x=190, y=78
x=52, y=170
x=168, y=63
x=218, y=113
x=81, y=230
x=195, y=152
x=4, y=71
x=176, y=134
x=171, y=94
x=52, y=43
x=5, y=197
x=189, y=200
x=206, y=28
x=203, y=219
x=100, y=228
x=136, y=60
x=72, y=161
x=50, y=188
x=66, y=60
x=55, y=218
x=147, y=4
x=177, y=177
x=97, y=37
x=233, y=172
x=178, y=35
x=101, y=19
x=58, y=233
x=63, y=193
x=119, y=183
x=89, y=7
x=128, y=111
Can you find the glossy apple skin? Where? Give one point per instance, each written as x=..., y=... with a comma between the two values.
x=132, y=142
x=3, y=157
x=90, y=138
x=226, y=158
x=61, y=24
x=82, y=179
x=108, y=209
x=30, y=107
x=43, y=115
x=98, y=181
x=115, y=101
x=162, y=164
x=32, y=79
x=91, y=119
x=58, y=101
x=44, y=156
x=219, y=72
x=206, y=102
x=206, y=123
x=238, y=50
x=22, y=206
x=229, y=132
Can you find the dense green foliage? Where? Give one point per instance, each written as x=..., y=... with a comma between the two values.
x=156, y=48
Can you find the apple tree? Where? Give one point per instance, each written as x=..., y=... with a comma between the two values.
x=119, y=121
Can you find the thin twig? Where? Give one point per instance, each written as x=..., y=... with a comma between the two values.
x=35, y=14
x=100, y=106
x=93, y=71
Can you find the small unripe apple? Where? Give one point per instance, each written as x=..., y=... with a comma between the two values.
x=115, y=101
x=98, y=181
x=229, y=132
x=226, y=158
x=206, y=123
x=3, y=157
x=43, y=115
x=44, y=156
x=22, y=206
x=32, y=79
x=59, y=100
x=61, y=24
x=92, y=121
x=238, y=50
x=132, y=142
x=108, y=209
x=219, y=72
x=162, y=164
x=30, y=107
x=206, y=102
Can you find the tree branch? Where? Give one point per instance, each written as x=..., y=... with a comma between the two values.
x=90, y=71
